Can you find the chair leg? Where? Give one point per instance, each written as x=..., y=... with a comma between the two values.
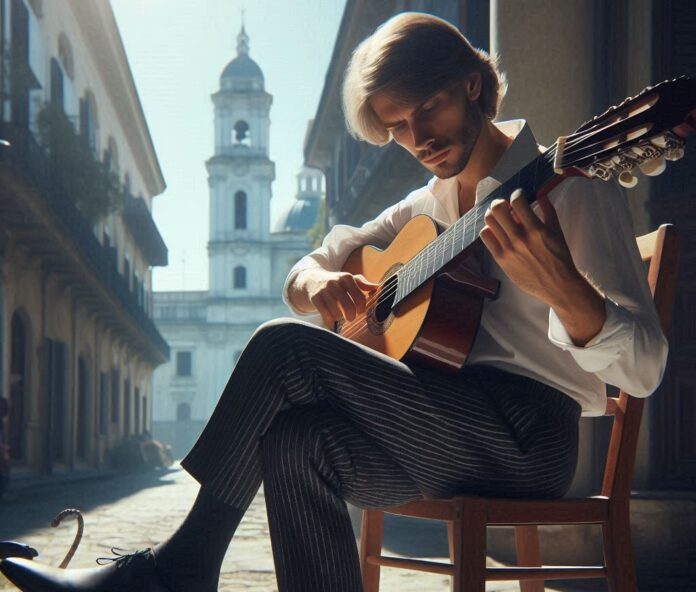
x=371, y=529
x=528, y=555
x=618, y=550
x=468, y=542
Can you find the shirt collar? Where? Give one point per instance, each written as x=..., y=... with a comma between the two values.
x=523, y=149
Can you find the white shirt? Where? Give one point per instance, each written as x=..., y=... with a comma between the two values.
x=518, y=332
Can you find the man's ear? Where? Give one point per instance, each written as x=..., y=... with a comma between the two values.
x=473, y=86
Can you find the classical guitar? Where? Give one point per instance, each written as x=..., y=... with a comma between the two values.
x=428, y=306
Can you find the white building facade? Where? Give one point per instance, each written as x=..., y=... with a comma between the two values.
x=77, y=342
x=247, y=261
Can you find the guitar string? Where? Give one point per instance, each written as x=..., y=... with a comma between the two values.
x=356, y=327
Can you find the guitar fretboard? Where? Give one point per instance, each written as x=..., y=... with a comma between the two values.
x=464, y=232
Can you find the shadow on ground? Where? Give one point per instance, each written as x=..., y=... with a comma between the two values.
x=34, y=507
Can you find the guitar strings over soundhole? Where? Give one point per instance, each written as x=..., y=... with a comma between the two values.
x=380, y=316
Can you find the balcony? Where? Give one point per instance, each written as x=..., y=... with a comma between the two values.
x=138, y=220
x=74, y=241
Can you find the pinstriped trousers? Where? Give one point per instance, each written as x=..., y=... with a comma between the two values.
x=322, y=420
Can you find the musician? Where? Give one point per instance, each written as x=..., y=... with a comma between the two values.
x=323, y=421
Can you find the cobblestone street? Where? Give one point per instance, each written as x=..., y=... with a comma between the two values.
x=139, y=510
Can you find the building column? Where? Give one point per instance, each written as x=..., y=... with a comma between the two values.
x=548, y=57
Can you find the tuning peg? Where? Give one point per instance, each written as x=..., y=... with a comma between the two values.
x=653, y=167
x=674, y=154
x=626, y=179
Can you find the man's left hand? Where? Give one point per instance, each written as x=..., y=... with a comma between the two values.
x=534, y=254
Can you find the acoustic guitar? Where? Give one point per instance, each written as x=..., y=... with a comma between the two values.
x=428, y=306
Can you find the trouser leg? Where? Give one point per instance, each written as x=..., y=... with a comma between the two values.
x=313, y=460
x=288, y=364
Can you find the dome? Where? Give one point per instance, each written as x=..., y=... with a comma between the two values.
x=299, y=217
x=242, y=67
x=242, y=73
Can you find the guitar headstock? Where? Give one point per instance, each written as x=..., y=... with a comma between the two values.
x=643, y=131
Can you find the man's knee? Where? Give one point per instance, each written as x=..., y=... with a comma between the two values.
x=292, y=438
x=281, y=329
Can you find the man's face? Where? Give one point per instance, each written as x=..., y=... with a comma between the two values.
x=440, y=132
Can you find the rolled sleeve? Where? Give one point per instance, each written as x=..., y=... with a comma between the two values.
x=630, y=351
x=604, y=348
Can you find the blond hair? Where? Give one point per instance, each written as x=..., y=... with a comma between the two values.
x=413, y=56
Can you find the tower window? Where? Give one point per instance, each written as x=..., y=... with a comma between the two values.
x=240, y=277
x=240, y=210
x=240, y=135
x=183, y=363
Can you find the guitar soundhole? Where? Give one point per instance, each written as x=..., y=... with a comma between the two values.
x=385, y=300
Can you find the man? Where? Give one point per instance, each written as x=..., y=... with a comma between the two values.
x=321, y=420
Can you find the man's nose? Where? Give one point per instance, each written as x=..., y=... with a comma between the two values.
x=422, y=138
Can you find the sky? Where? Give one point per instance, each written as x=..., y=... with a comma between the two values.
x=177, y=50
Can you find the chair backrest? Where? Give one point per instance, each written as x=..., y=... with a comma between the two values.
x=661, y=250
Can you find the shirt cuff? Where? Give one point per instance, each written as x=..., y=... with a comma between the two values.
x=604, y=348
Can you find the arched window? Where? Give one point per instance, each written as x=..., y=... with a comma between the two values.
x=57, y=91
x=240, y=276
x=240, y=210
x=183, y=412
x=240, y=135
x=88, y=119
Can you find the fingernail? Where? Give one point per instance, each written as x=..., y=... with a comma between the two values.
x=517, y=193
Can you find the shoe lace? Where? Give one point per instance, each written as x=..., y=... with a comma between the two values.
x=124, y=558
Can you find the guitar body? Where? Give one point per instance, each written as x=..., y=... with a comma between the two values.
x=437, y=323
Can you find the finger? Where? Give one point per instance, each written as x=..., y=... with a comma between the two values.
x=326, y=316
x=328, y=308
x=548, y=211
x=524, y=211
x=494, y=226
x=344, y=301
x=491, y=242
x=358, y=296
x=365, y=283
x=503, y=216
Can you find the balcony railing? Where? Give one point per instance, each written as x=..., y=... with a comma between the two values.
x=28, y=155
x=137, y=217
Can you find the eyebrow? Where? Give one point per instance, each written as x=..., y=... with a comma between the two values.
x=415, y=110
x=392, y=124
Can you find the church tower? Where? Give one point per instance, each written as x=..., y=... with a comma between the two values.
x=240, y=176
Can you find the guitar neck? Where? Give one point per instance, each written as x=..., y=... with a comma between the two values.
x=462, y=235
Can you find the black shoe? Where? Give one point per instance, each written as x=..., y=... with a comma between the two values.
x=135, y=572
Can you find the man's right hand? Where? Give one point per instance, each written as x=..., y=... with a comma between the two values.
x=335, y=295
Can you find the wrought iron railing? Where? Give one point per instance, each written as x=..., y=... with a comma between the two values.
x=27, y=155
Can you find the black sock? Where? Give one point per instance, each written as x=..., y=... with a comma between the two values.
x=194, y=553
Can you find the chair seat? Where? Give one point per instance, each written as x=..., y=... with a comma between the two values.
x=510, y=511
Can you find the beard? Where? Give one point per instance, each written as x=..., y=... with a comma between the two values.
x=462, y=143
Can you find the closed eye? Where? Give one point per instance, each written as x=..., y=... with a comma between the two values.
x=397, y=127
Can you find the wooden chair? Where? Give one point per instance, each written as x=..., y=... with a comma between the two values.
x=468, y=517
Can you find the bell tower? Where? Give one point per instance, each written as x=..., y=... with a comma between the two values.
x=239, y=177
